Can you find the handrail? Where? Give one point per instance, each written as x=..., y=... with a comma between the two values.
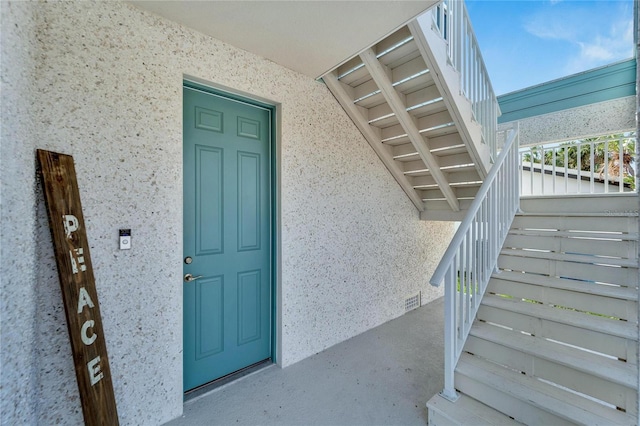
x=595, y=165
x=438, y=275
x=472, y=255
x=452, y=21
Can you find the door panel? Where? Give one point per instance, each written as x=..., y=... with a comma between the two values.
x=248, y=201
x=227, y=234
x=208, y=315
x=249, y=315
x=208, y=192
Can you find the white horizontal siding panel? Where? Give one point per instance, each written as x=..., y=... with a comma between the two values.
x=594, y=340
x=601, y=305
x=562, y=244
x=523, y=394
x=580, y=271
x=564, y=375
x=605, y=205
x=465, y=411
x=612, y=291
x=604, y=367
x=577, y=223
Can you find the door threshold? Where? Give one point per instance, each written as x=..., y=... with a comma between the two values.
x=201, y=390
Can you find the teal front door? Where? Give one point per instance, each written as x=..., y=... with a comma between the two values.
x=227, y=236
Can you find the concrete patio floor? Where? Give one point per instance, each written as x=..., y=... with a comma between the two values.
x=384, y=376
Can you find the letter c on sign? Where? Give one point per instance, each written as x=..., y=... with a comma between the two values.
x=86, y=339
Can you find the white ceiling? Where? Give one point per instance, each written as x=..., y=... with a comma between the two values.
x=311, y=37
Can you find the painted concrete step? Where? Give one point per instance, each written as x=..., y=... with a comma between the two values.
x=617, y=347
x=553, y=213
x=463, y=192
x=579, y=286
x=593, y=246
x=579, y=258
x=602, y=391
x=626, y=277
x=614, y=204
x=576, y=223
x=606, y=368
x=464, y=411
x=576, y=234
x=622, y=329
x=531, y=362
x=422, y=180
x=528, y=399
x=585, y=302
x=443, y=145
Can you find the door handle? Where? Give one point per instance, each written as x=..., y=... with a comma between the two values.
x=188, y=278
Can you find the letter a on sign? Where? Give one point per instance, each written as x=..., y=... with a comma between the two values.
x=78, y=288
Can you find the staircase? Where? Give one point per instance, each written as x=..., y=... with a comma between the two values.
x=409, y=103
x=552, y=338
x=555, y=339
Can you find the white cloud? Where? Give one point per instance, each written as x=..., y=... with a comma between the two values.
x=603, y=49
x=600, y=35
x=550, y=27
x=595, y=52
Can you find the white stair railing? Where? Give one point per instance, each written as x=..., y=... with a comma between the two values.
x=452, y=21
x=472, y=256
x=597, y=165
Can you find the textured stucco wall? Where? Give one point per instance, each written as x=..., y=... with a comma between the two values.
x=102, y=82
x=595, y=119
x=18, y=241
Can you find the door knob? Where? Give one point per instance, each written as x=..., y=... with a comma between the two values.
x=189, y=278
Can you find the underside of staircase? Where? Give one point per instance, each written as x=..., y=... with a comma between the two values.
x=406, y=100
x=555, y=340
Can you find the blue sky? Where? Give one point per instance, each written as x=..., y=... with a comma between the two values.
x=529, y=42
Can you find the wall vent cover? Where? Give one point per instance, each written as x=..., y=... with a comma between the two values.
x=412, y=302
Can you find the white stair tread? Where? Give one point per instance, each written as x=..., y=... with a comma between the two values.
x=576, y=319
x=606, y=368
x=579, y=258
x=555, y=400
x=624, y=293
x=632, y=236
x=577, y=214
x=468, y=411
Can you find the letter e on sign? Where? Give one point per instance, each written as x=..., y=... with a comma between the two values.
x=94, y=370
x=78, y=288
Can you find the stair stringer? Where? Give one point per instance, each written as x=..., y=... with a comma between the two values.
x=434, y=51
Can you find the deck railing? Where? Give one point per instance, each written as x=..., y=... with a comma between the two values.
x=452, y=21
x=597, y=165
x=472, y=256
